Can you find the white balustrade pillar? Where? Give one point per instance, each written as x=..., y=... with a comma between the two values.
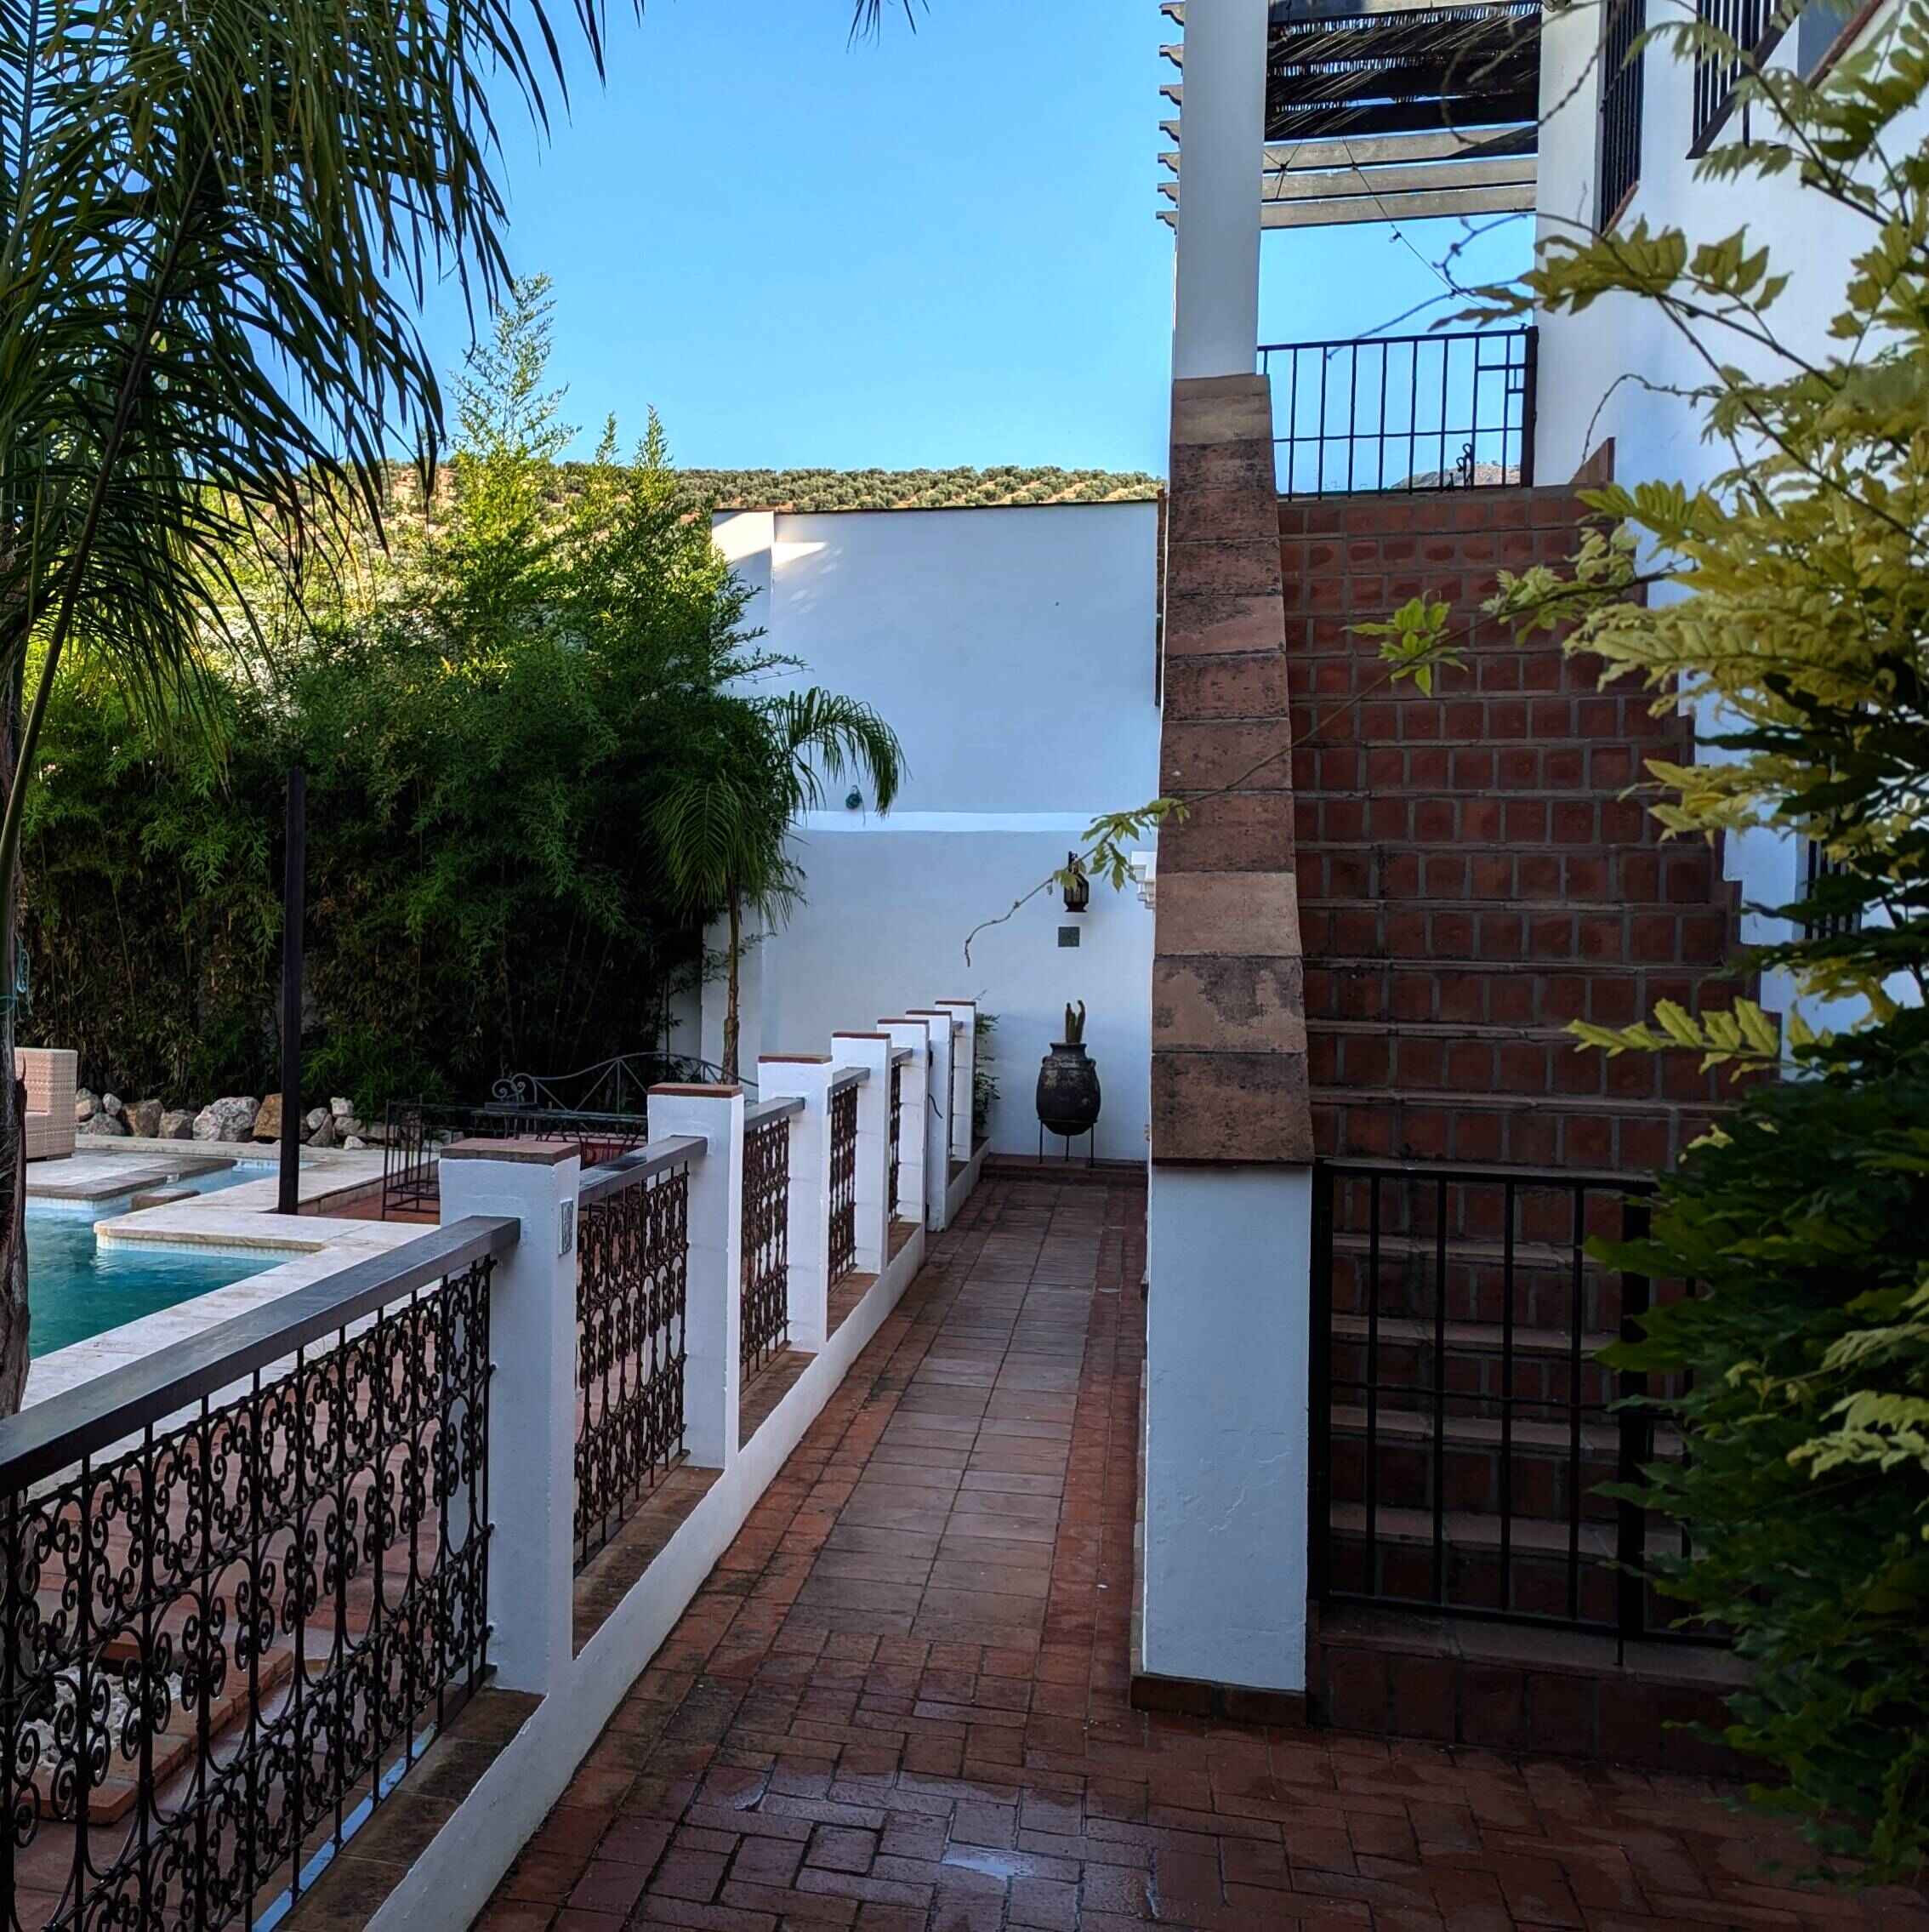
x=964, y=1073
x=869, y=1053
x=914, y=1104
x=805, y=1077
x=713, y=1321
x=937, y=1119
x=532, y=1456
x=1221, y=167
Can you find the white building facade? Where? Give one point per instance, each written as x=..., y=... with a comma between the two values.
x=1015, y=652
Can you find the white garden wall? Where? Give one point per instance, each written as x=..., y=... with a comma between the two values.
x=1014, y=652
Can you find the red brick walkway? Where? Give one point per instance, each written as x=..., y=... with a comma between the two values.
x=899, y=1702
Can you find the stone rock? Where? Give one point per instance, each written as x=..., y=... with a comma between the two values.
x=146, y=1117
x=103, y=1123
x=268, y=1119
x=324, y=1136
x=355, y=1140
x=176, y=1124
x=85, y=1105
x=351, y=1128
x=342, y=1108
x=229, y=1118
x=314, y=1118
x=376, y=1134
x=112, y=1103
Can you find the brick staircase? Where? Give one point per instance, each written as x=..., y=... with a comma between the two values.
x=1472, y=877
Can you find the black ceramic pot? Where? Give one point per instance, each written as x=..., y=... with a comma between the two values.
x=1068, y=1091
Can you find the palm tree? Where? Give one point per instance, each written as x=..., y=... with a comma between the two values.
x=218, y=219
x=722, y=817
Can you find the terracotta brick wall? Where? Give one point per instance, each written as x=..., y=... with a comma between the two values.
x=1471, y=877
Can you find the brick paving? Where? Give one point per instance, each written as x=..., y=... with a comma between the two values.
x=899, y=1702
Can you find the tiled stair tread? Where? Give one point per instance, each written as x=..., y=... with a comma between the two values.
x=1427, y=1633
x=1381, y=1096
x=1534, y=1257
x=1484, y=1431
x=1467, y=1529
x=1483, y=1336
x=1383, y=962
x=1550, y=1033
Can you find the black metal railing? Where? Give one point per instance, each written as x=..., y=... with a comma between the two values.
x=620, y=1084
x=1817, y=866
x=844, y=1174
x=1412, y=412
x=633, y=1249
x=414, y=1132
x=767, y=1231
x=232, y=1620
x=1464, y=1424
x=1753, y=25
x=1621, y=66
x=898, y=1060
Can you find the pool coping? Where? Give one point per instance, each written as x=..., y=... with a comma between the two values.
x=241, y=1219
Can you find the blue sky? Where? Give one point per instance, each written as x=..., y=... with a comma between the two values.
x=929, y=249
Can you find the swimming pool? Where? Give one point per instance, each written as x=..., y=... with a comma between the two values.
x=78, y=1287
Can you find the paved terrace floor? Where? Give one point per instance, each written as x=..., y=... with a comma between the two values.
x=899, y=1704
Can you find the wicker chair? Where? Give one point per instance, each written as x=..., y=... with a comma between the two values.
x=50, y=1072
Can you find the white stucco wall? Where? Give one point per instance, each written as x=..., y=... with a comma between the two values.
x=1013, y=651
x=1584, y=395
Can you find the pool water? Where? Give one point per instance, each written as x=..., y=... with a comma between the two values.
x=76, y=1287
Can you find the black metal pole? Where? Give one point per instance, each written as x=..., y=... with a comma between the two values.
x=294, y=876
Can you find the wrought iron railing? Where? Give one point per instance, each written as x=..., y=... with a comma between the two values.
x=1406, y=412
x=844, y=1174
x=1463, y=1425
x=1817, y=866
x=232, y=1619
x=767, y=1231
x=633, y=1248
x=1621, y=60
x=898, y=1060
x=1753, y=25
x=620, y=1084
x=414, y=1131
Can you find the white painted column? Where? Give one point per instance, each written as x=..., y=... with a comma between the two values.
x=1222, y=165
x=807, y=1077
x=1229, y=1254
x=869, y=1053
x=937, y=1119
x=963, y=1072
x=532, y=1456
x=914, y=1037
x=713, y=1321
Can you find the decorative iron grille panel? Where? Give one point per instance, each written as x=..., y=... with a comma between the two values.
x=896, y=1137
x=1405, y=412
x=633, y=1273
x=766, y=1241
x=221, y=1642
x=1817, y=866
x=1621, y=63
x=843, y=1182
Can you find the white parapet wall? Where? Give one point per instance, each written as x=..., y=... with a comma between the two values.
x=532, y=1437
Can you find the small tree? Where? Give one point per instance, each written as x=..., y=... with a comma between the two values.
x=724, y=813
x=1789, y=601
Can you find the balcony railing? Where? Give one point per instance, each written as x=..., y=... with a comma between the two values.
x=242, y=1579
x=1404, y=412
x=844, y=1175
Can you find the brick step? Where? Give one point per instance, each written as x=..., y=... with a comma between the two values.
x=1522, y=770
x=1364, y=875
x=1519, y=1130
x=1497, y=1061
x=1480, y=993
x=1540, y=1463
x=1473, y=1338
x=1542, y=822
x=1449, y=934
x=1398, y=1563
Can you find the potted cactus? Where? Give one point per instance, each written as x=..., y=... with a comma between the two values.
x=1068, y=1082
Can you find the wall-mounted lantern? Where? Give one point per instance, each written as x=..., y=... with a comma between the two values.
x=1078, y=887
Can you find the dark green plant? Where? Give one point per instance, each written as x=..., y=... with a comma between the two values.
x=984, y=1081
